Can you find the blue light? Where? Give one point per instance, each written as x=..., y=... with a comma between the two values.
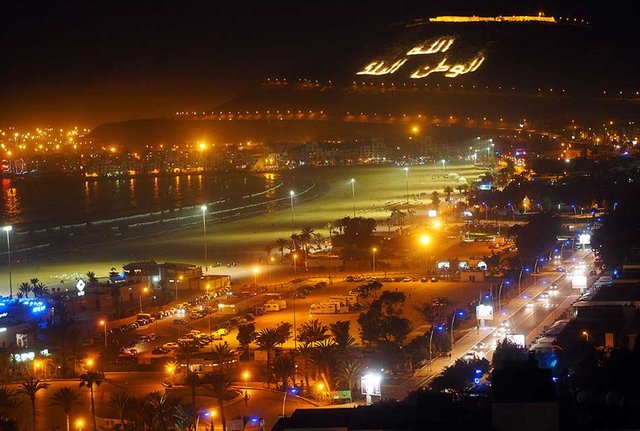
x=486, y=296
x=555, y=379
x=507, y=282
x=293, y=390
x=254, y=420
x=553, y=362
x=478, y=371
x=460, y=313
x=476, y=381
x=440, y=328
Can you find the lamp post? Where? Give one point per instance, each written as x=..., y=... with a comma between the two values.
x=295, y=260
x=353, y=195
x=293, y=390
x=145, y=290
x=453, y=319
x=79, y=424
x=103, y=323
x=444, y=169
x=373, y=255
x=203, y=208
x=7, y=229
x=425, y=240
x=212, y=414
x=245, y=376
x=433, y=329
x=586, y=335
x=291, y=195
x=256, y=271
x=406, y=176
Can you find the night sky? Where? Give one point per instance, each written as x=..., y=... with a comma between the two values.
x=85, y=62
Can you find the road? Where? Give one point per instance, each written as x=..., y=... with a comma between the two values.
x=528, y=314
x=266, y=404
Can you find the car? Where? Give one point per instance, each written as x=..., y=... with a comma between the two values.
x=530, y=305
x=159, y=350
x=180, y=321
x=170, y=345
x=560, y=269
x=480, y=346
x=406, y=279
x=434, y=279
x=440, y=302
x=349, y=278
x=470, y=356
x=553, y=286
x=544, y=296
x=505, y=324
x=423, y=280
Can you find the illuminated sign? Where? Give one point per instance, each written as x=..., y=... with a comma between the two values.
x=80, y=285
x=440, y=45
x=443, y=265
x=450, y=71
x=370, y=384
x=484, y=312
x=579, y=281
x=378, y=68
x=584, y=239
x=484, y=186
x=517, y=339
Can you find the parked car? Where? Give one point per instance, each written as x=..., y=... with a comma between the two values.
x=159, y=350
x=180, y=321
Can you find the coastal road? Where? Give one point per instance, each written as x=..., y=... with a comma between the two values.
x=528, y=314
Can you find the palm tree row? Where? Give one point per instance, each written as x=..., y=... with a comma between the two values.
x=327, y=351
x=298, y=241
x=34, y=286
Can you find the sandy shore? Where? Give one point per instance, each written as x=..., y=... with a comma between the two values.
x=243, y=240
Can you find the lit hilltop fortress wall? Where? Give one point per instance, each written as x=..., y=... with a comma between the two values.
x=440, y=45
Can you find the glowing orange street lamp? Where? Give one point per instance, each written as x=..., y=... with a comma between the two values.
x=103, y=323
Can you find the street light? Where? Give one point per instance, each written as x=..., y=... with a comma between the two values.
x=291, y=195
x=406, y=175
x=79, y=424
x=295, y=259
x=203, y=208
x=425, y=240
x=103, y=323
x=353, y=195
x=293, y=390
x=170, y=368
x=458, y=313
x=89, y=362
x=256, y=271
x=438, y=328
x=373, y=255
x=212, y=414
x=443, y=165
x=7, y=229
x=145, y=290
x=586, y=335
x=245, y=376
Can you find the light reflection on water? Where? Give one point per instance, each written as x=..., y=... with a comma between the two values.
x=64, y=201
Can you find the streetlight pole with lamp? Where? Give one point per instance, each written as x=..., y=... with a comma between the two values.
x=295, y=261
x=145, y=290
x=438, y=328
x=373, y=255
x=353, y=195
x=425, y=240
x=459, y=313
x=7, y=229
x=406, y=176
x=444, y=169
x=292, y=195
x=203, y=208
x=103, y=323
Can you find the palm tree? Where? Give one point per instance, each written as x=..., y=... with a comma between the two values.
x=305, y=238
x=9, y=403
x=120, y=403
x=347, y=375
x=29, y=388
x=222, y=354
x=185, y=417
x=330, y=228
x=34, y=281
x=447, y=191
x=284, y=366
x=193, y=381
x=306, y=351
x=325, y=359
x=281, y=243
x=92, y=277
x=65, y=397
x=219, y=384
x=40, y=290
x=312, y=332
x=162, y=405
x=267, y=340
x=25, y=288
x=90, y=380
x=267, y=249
